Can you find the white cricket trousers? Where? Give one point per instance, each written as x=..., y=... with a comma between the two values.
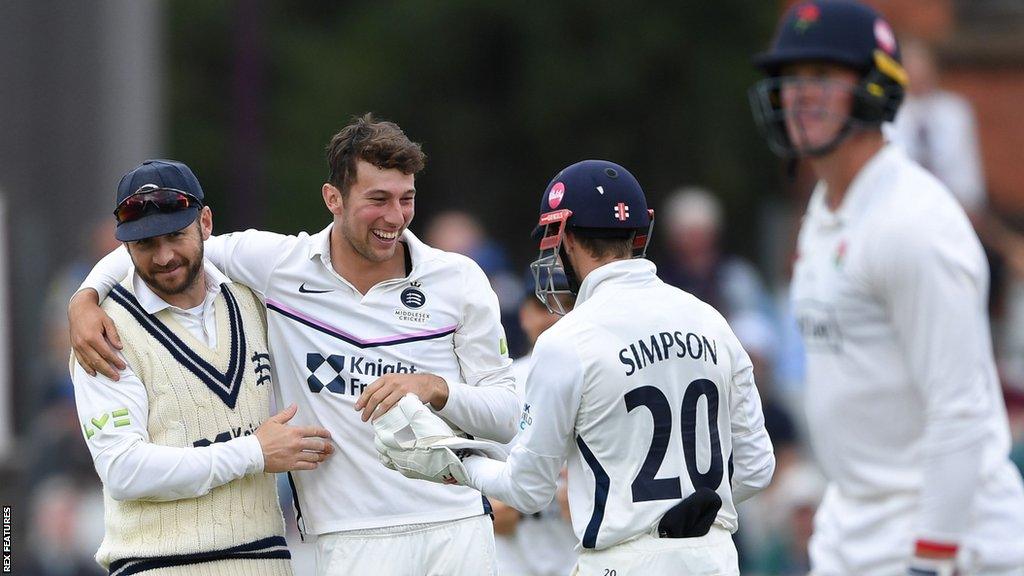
x=713, y=554
x=455, y=548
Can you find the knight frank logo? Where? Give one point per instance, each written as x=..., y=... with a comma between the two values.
x=341, y=374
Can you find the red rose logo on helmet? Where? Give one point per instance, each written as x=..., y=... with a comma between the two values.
x=555, y=196
x=884, y=36
x=805, y=16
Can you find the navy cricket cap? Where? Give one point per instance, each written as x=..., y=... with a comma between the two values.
x=843, y=32
x=605, y=199
x=157, y=175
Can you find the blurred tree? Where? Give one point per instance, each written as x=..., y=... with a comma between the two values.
x=501, y=94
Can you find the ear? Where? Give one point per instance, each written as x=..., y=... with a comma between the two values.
x=205, y=222
x=332, y=198
x=569, y=240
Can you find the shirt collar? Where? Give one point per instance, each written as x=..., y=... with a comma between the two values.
x=152, y=303
x=320, y=247
x=871, y=178
x=616, y=273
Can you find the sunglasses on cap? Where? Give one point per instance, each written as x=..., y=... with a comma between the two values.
x=163, y=199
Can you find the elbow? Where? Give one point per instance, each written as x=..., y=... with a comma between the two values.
x=514, y=415
x=117, y=482
x=507, y=433
x=764, y=479
x=533, y=493
x=506, y=424
x=528, y=503
x=121, y=485
x=118, y=493
x=747, y=485
x=122, y=491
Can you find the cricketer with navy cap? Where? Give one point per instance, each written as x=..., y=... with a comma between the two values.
x=643, y=387
x=184, y=442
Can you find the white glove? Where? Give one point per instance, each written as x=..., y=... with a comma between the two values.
x=435, y=463
x=416, y=442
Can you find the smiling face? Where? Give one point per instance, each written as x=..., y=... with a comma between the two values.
x=377, y=208
x=817, y=99
x=171, y=264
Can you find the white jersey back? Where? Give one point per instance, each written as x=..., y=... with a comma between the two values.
x=666, y=404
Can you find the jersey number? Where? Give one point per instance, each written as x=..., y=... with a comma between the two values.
x=645, y=486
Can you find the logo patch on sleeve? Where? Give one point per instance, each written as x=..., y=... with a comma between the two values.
x=120, y=418
x=525, y=419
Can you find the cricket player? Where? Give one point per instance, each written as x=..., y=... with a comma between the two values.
x=360, y=314
x=643, y=387
x=182, y=442
x=903, y=402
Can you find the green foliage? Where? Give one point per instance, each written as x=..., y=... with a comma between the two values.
x=501, y=94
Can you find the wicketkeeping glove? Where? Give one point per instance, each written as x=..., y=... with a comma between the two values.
x=416, y=442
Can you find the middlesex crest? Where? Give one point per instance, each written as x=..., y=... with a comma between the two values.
x=412, y=297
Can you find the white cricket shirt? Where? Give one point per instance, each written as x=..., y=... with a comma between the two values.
x=647, y=391
x=328, y=342
x=890, y=296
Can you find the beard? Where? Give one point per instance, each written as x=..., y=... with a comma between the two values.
x=362, y=246
x=167, y=287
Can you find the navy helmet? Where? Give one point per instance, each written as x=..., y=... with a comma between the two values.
x=593, y=198
x=843, y=32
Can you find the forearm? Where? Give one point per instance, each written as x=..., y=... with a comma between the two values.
x=952, y=458
x=526, y=482
x=753, y=464
x=145, y=471
x=110, y=270
x=488, y=412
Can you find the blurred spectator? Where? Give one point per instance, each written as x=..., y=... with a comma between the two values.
x=99, y=241
x=756, y=538
x=55, y=428
x=938, y=130
x=1015, y=414
x=695, y=262
x=541, y=544
x=759, y=338
x=800, y=490
x=63, y=524
x=66, y=523
x=460, y=232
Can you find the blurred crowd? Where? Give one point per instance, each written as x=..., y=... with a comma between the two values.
x=937, y=128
